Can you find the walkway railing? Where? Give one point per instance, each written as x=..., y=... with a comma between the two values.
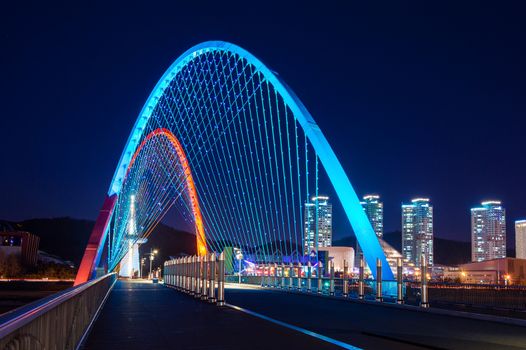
x=60, y=321
x=313, y=279
x=198, y=276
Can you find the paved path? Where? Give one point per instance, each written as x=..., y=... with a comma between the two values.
x=152, y=316
x=373, y=326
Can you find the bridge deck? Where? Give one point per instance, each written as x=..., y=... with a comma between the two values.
x=370, y=325
x=152, y=316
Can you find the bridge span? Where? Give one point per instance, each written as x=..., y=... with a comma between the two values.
x=145, y=315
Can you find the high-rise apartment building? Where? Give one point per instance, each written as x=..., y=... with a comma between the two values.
x=318, y=224
x=417, y=231
x=520, y=239
x=374, y=209
x=488, y=231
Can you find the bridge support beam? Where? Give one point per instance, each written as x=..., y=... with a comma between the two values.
x=95, y=246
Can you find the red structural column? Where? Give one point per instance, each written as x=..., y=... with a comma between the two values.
x=96, y=240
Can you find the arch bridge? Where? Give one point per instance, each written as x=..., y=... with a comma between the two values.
x=224, y=142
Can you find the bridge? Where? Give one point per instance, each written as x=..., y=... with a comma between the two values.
x=228, y=147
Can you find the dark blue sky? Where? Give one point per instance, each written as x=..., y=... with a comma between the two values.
x=415, y=100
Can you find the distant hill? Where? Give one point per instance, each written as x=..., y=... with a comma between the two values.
x=67, y=238
x=63, y=237
x=447, y=252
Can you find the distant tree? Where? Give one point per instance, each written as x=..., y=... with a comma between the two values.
x=14, y=267
x=3, y=264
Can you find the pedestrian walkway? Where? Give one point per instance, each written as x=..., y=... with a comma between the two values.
x=372, y=325
x=143, y=315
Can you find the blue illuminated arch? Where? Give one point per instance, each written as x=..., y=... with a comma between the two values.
x=364, y=232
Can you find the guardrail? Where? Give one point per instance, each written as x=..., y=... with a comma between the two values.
x=198, y=276
x=60, y=321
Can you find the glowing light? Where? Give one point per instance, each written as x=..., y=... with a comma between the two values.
x=419, y=200
x=491, y=202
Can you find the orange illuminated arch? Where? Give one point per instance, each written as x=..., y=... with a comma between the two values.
x=190, y=185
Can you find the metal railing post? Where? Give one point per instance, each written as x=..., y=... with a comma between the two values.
x=177, y=273
x=379, y=280
x=282, y=275
x=399, y=279
x=198, y=277
x=204, y=291
x=202, y=267
x=319, y=275
x=424, y=302
x=331, y=283
x=189, y=274
x=212, y=275
x=299, y=276
x=309, y=277
x=345, y=280
x=192, y=275
x=221, y=280
x=291, y=274
x=275, y=275
x=185, y=282
x=361, y=286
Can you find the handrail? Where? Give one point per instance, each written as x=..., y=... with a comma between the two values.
x=15, y=319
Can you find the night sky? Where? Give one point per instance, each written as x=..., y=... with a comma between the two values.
x=415, y=100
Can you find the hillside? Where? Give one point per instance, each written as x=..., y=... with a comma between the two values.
x=447, y=252
x=67, y=238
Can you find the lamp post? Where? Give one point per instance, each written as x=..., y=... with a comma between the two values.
x=239, y=257
x=152, y=254
x=142, y=266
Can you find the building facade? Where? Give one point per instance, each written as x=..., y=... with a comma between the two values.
x=374, y=209
x=520, y=239
x=20, y=243
x=417, y=231
x=317, y=224
x=488, y=231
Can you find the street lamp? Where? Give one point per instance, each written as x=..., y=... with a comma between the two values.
x=152, y=254
x=239, y=257
x=507, y=280
x=142, y=266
